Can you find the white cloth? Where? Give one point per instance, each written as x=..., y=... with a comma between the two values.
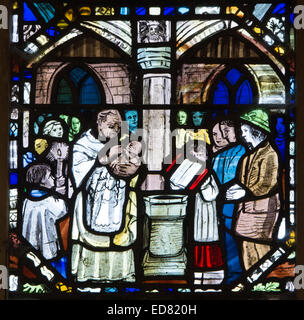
x=205, y=216
x=101, y=205
x=103, y=266
x=85, y=152
x=105, y=195
x=38, y=224
x=205, y=212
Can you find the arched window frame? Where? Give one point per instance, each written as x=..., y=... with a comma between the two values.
x=241, y=63
x=233, y=89
x=64, y=74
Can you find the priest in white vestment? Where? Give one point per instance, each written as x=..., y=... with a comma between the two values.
x=104, y=221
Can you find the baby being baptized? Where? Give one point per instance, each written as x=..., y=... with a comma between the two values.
x=123, y=161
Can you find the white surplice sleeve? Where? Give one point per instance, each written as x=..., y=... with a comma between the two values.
x=85, y=153
x=209, y=189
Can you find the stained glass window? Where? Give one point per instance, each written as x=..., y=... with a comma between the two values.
x=151, y=149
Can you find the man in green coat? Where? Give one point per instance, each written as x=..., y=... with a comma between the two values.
x=257, y=189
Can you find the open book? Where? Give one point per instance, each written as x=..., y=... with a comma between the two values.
x=185, y=173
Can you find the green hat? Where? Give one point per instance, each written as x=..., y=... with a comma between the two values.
x=257, y=117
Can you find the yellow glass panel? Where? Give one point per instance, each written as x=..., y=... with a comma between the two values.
x=292, y=239
x=15, y=5
x=104, y=11
x=70, y=15
x=85, y=11
x=257, y=30
x=40, y=145
x=62, y=24
x=279, y=50
x=63, y=288
x=201, y=134
x=235, y=10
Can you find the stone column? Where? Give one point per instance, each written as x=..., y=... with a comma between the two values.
x=156, y=125
x=155, y=61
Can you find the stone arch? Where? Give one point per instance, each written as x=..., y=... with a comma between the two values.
x=117, y=33
x=197, y=76
x=47, y=70
x=47, y=74
x=192, y=33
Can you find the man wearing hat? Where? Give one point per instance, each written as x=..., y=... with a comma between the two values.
x=257, y=188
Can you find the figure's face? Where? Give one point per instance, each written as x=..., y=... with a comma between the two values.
x=132, y=119
x=48, y=181
x=40, y=119
x=182, y=118
x=134, y=148
x=218, y=138
x=197, y=118
x=155, y=33
x=228, y=133
x=154, y=29
x=108, y=127
x=246, y=134
x=252, y=139
x=57, y=131
x=75, y=124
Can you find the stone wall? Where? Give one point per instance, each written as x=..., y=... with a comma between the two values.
x=114, y=78
x=191, y=81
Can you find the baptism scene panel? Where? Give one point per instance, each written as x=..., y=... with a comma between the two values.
x=152, y=149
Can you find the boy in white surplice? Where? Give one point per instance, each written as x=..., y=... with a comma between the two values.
x=41, y=210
